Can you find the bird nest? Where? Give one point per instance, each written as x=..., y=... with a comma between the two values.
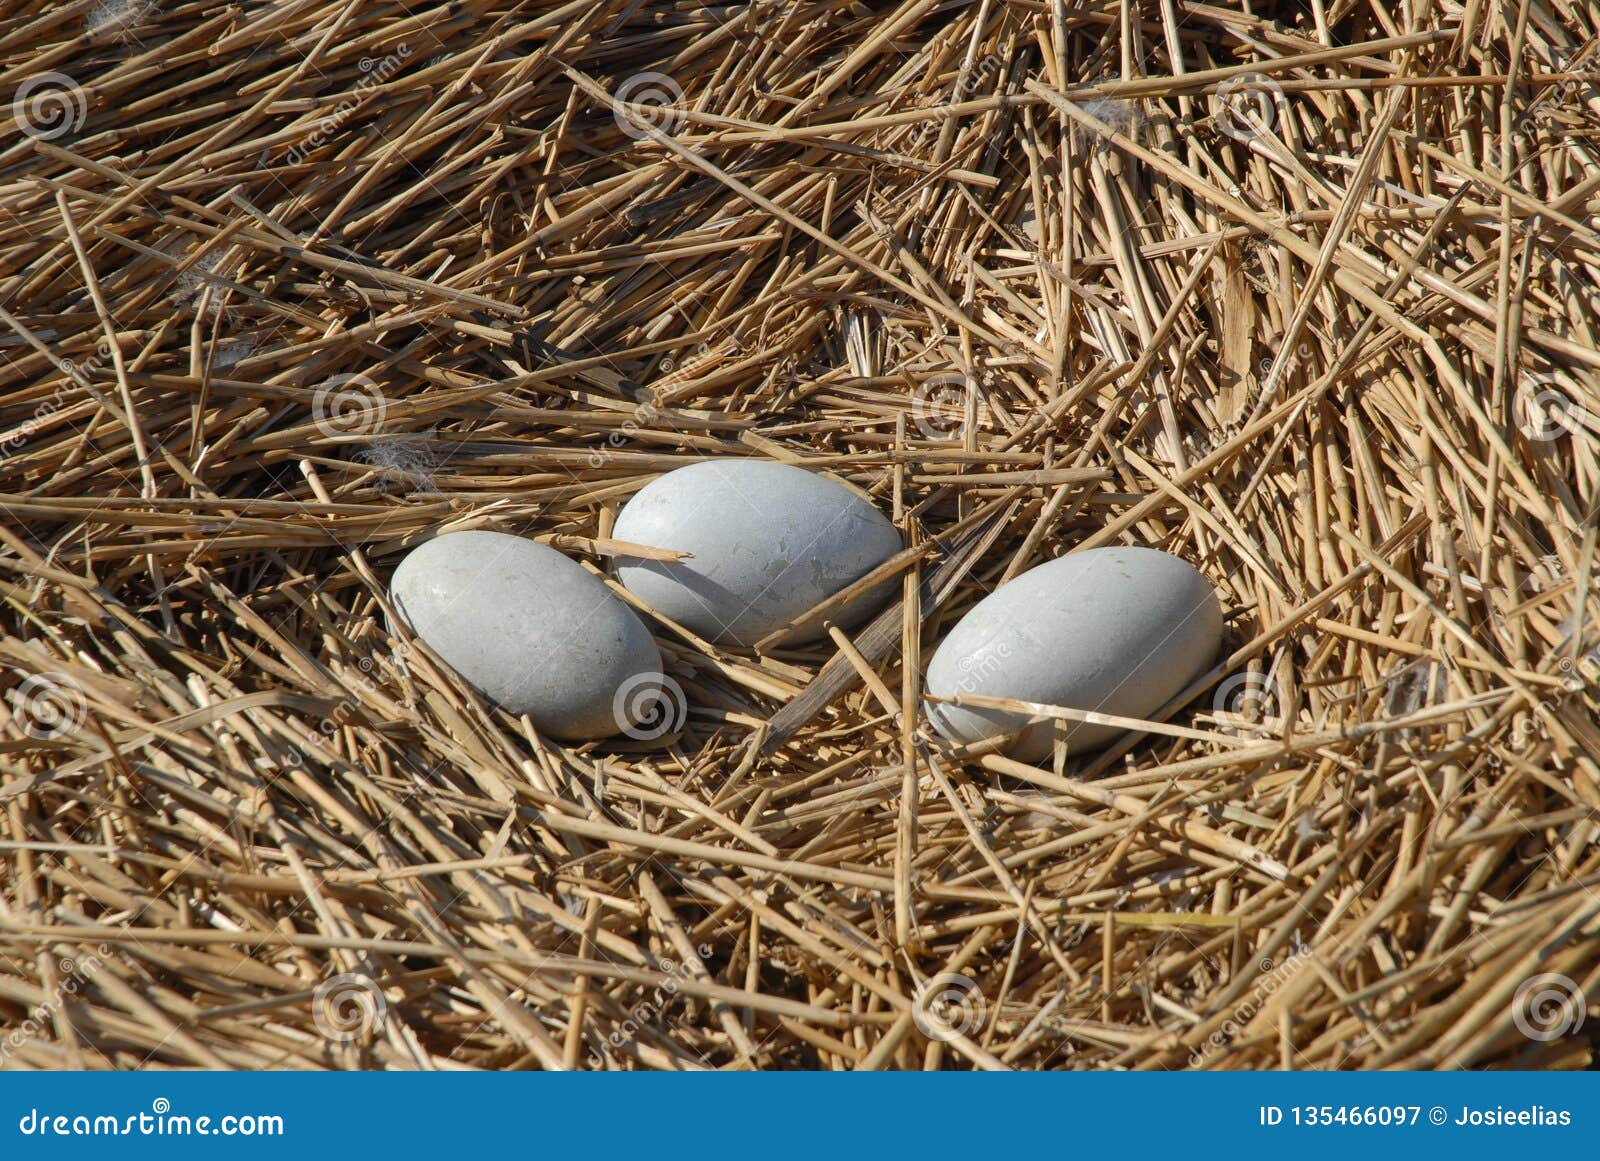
x=287, y=289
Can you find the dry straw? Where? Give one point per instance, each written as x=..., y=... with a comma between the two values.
x=286, y=288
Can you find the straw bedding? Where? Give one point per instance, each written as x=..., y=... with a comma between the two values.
x=1303, y=295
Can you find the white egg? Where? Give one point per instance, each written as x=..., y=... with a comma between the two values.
x=769, y=541
x=1115, y=630
x=531, y=630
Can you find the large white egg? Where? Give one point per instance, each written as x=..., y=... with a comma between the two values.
x=1115, y=630
x=530, y=629
x=769, y=542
